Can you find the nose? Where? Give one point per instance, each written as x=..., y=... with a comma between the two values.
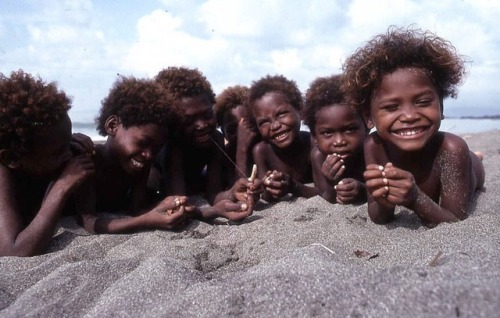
x=409, y=113
x=148, y=154
x=339, y=140
x=275, y=125
x=201, y=124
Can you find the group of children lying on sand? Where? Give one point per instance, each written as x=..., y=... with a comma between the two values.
x=163, y=146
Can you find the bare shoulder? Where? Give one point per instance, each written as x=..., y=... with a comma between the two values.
x=453, y=144
x=374, y=151
x=316, y=155
x=261, y=148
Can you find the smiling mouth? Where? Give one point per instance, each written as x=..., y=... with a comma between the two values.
x=281, y=136
x=137, y=164
x=409, y=132
x=202, y=138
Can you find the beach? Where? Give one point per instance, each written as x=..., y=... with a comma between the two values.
x=298, y=257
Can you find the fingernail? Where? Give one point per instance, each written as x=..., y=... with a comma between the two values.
x=244, y=206
x=341, y=182
x=385, y=180
x=381, y=168
x=386, y=188
x=343, y=167
x=335, y=187
x=383, y=173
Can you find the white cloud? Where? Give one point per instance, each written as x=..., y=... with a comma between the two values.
x=83, y=47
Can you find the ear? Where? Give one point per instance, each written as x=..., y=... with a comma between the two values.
x=9, y=159
x=111, y=125
x=368, y=120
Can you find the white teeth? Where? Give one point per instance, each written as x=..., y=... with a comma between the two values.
x=408, y=132
x=137, y=163
x=281, y=136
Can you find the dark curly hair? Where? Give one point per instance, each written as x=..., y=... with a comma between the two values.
x=323, y=92
x=136, y=102
x=399, y=48
x=28, y=106
x=185, y=82
x=228, y=99
x=277, y=84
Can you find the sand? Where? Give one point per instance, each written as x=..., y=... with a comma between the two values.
x=299, y=257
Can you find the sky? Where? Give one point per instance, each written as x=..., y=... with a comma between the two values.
x=84, y=45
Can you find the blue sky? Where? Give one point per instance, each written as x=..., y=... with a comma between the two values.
x=84, y=44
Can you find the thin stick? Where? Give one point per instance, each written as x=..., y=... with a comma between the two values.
x=434, y=261
x=229, y=158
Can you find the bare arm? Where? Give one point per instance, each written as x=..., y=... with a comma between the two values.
x=324, y=186
x=169, y=214
x=15, y=239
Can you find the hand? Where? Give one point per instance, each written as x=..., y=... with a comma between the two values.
x=390, y=186
x=277, y=183
x=333, y=168
x=82, y=144
x=234, y=211
x=76, y=171
x=170, y=213
x=349, y=191
x=247, y=132
x=243, y=189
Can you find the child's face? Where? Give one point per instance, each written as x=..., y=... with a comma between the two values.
x=135, y=147
x=230, y=122
x=277, y=120
x=50, y=153
x=406, y=109
x=339, y=130
x=199, y=122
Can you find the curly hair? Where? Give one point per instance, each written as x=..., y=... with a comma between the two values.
x=399, y=48
x=228, y=99
x=28, y=106
x=323, y=92
x=185, y=82
x=136, y=102
x=277, y=84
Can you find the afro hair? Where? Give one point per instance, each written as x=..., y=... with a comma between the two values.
x=228, y=99
x=277, y=84
x=136, y=102
x=400, y=48
x=323, y=92
x=28, y=106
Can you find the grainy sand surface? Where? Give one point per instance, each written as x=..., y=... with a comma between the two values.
x=294, y=258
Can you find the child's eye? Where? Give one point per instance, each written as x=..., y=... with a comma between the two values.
x=262, y=123
x=282, y=114
x=390, y=107
x=423, y=102
x=351, y=130
x=326, y=133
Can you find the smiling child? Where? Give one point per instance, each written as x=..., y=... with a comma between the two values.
x=399, y=80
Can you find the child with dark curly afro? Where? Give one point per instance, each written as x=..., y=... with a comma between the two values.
x=133, y=117
x=193, y=164
x=238, y=128
x=283, y=155
x=38, y=168
x=338, y=132
x=399, y=81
